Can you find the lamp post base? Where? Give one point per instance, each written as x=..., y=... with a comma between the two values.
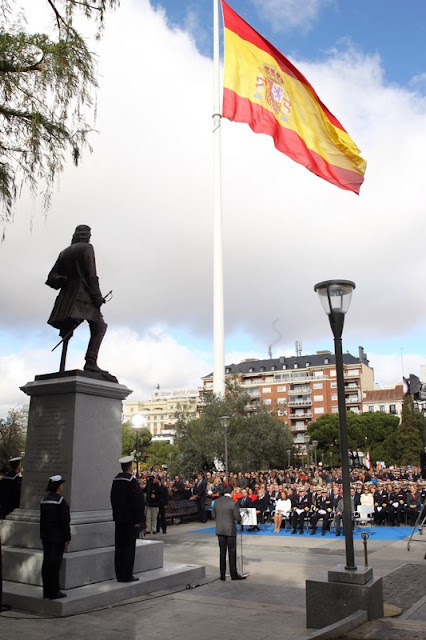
x=348, y=591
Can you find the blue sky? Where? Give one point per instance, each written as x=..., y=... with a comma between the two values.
x=147, y=193
x=392, y=30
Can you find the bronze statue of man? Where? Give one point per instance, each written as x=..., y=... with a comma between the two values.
x=80, y=298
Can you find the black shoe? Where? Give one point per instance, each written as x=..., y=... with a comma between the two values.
x=301, y=533
x=313, y=532
x=293, y=532
x=132, y=579
x=323, y=533
x=60, y=594
x=223, y=579
x=5, y=607
x=239, y=577
x=337, y=533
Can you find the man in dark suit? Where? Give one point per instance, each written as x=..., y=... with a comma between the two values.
x=226, y=513
x=127, y=503
x=200, y=492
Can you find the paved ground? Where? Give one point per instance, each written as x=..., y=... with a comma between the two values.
x=270, y=603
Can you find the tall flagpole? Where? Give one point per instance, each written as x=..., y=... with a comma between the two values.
x=218, y=306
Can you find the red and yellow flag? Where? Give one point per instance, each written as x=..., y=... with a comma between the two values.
x=263, y=89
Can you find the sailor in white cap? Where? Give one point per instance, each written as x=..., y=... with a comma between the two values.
x=127, y=503
x=55, y=535
x=10, y=487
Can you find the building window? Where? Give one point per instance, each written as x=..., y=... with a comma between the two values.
x=318, y=398
x=317, y=385
x=319, y=410
x=334, y=409
x=334, y=396
x=332, y=373
x=284, y=366
x=333, y=385
x=281, y=389
x=392, y=408
x=308, y=364
x=296, y=366
x=266, y=389
x=267, y=401
x=227, y=370
x=326, y=360
x=382, y=408
x=251, y=370
x=282, y=401
x=371, y=408
x=273, y=367
x=282, y=412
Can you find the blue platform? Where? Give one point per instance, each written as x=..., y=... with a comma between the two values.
x=376, y=533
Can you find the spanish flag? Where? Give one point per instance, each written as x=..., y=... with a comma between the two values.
x=263, y=89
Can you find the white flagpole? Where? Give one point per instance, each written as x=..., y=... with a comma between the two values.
x=218, y=305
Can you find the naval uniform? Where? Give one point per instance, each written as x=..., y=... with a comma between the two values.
x=10, y=493
x=127, y=503
x=54, y=533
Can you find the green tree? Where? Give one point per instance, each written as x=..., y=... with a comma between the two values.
x=253, y=442
x=128, y=439
x=159, y=453
x=410, y=442
x=12, y=436
x=46, y=92
x=376, y=432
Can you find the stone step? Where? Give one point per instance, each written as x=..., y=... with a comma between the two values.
x=101, y=594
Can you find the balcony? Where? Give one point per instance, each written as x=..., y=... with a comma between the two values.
x=299, y=428
x=253, y=393
x=299, y=390
x=253, y=406
x=294, y=402
x=301, y=416
x=352, y=400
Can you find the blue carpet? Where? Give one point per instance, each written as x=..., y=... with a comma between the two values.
x=376, y=533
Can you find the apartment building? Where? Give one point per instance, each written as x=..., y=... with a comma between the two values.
x=301, y=388
x=159, y=410
x=387, y=400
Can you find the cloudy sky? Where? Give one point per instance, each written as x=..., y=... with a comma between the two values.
x=146, y=191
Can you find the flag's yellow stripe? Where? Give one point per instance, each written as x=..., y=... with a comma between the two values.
x=244, y=65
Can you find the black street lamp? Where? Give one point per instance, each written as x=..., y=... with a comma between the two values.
x=138, y=421
x=315, y=443
x=335, y=297
x=307, y=439
x=225, y=421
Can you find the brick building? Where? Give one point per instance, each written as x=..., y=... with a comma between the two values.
x=300, y=389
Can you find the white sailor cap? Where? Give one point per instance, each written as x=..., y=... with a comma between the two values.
x=126, y=460
x=17, y=459
x=56, y=478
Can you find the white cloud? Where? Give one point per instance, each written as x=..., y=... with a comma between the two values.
x=147, y=193
x=286, y=15
x=139, y=361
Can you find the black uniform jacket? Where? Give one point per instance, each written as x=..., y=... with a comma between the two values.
x=127, y=499
x=10, y=492
x=54, y=519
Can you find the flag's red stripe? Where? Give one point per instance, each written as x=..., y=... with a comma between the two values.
x=236, y=24
x=287, y=141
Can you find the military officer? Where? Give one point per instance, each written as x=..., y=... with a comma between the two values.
x=127, y=503
x=10, y=487
x=324, y=510
x=300, y=510
x=55, y=535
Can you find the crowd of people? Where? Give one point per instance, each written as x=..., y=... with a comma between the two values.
x=313, y=496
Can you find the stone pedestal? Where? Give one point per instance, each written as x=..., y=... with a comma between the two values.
x=339, y=593
x=74, y=429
